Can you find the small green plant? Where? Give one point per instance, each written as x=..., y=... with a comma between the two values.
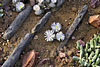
x=90, y=53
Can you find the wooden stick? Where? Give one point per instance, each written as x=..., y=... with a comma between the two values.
x=73, y=26
x=17, y=23
x=24, y=42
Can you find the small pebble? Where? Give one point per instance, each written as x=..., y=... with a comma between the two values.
x=0, y=49
x=61, y=49
x=73, y=37
x=66, y=20
x=74, y=9
x=69, y=53
x=62, y=55
x=36, y=37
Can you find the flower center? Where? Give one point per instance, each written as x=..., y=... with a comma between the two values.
x=60, y=35
x=49, y=35
x=57, y=26
x=37, y=9
x=20, y=6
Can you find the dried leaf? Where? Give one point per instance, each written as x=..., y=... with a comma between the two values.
x=30, y=59
x=95, y=21
x=95, y=3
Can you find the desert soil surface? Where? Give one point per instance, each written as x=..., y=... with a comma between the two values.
x=65, y=15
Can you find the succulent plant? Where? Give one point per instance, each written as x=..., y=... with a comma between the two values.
x=52, y=5
x=90, y=53
x=19, y=6
x=15, y=1
x=56, y=27
x=43, y=5
x=60, y=36
x=40, y=1
x=49, y=34
x=53, y=1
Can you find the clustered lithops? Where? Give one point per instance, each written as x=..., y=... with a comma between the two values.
x=55, y=33
x=43, y=5
x=19, y=5
x=90, y=53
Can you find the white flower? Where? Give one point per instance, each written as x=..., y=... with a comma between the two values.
x=53, y=1
x=19, y=6
x=38, y=12
x=52, y=5
x=60, y=36
x=56, y=27
x=49, y=34
x=15, y=1
x=36, y=7
x=40, y=1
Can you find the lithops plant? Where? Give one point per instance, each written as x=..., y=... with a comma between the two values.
x=90, y=53
x=49, y=34
x=15, y=1
x=60, y=36
x=56, y=27
x=37, y=9
x=52, y=4
x=20, y=6
x=45, y=5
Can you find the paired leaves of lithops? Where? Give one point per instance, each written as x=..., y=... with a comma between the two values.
x=90, y=53
x=44, y=5
x=56, y=27
x=20, y=6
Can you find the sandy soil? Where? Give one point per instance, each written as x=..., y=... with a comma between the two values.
x=84, y=31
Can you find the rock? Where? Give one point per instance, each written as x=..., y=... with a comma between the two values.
x=44, y=61
x=73, y=37
x=61, y=49
x=36, y=37
x=69, y=53
x=81, y=42
x=95, y=21
x=32, y=2
x=95, y=3
x=30, y=59
x=62, y=54
x=74, y=9
x=51, y=66
x=1, y=49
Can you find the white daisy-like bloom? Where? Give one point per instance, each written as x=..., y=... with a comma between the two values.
x=52, y=5
x=49, y=34
x=15, y=1
x=19, y=6
x=36, y=7
x=60, y=36
x=53, y=1
x=39, y=12
x=56, y=27
x=40, y=1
